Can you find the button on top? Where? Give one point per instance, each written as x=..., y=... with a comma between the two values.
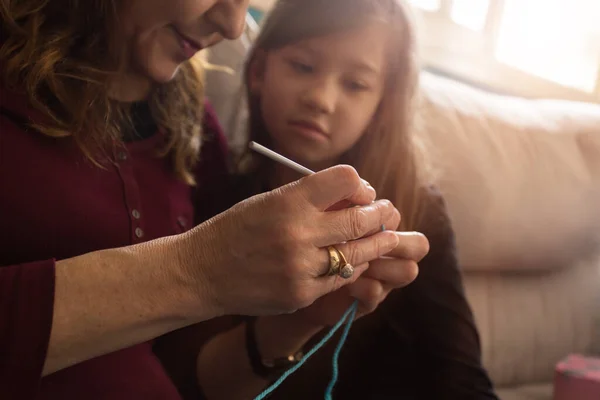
x=139, y=232
x=122, y=156
x=182, y=221
x=136, y=214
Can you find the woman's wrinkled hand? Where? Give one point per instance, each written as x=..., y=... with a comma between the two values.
x=268, y=254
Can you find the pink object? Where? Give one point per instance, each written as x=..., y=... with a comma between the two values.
x=577, y=378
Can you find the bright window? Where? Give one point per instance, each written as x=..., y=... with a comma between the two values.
x=427, y=5
x=471, y=14
x=531, y=47
x=553, y=39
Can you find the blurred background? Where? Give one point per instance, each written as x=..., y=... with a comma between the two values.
x=539, y=48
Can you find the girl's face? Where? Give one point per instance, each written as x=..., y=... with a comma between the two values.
x=162, y=34
x=318, y=95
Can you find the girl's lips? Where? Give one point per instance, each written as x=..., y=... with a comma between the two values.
x=309, y=130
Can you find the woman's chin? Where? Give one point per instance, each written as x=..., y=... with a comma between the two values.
x=138, y=86
x=164, y=73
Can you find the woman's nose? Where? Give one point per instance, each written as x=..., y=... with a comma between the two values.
x=230, y=17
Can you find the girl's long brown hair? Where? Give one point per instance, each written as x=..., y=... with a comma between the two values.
x=388, y=155
x=62, y=53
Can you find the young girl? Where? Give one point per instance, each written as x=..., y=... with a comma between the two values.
x=333, y=82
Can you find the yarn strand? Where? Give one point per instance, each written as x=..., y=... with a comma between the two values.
x=348, y=318
x=338, y=350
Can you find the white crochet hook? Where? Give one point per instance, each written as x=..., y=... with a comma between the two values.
x=259, y=148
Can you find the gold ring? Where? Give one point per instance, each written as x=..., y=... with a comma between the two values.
x=338, y=265
x=346, y=270
x=334, y=261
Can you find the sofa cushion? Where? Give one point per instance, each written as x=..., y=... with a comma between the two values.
x=521, y=177
x=543, y=391
x=529, y=322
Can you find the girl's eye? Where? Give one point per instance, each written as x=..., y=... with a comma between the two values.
x=301, y=67
x=356, y=86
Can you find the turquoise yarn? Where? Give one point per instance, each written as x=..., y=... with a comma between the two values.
x=338, y=350
x=347, y=318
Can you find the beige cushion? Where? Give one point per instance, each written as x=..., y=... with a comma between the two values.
x=529, y=322
x=521, y=177
x=527, y=392
x=522, y=182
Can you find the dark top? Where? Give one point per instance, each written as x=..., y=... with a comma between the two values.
x=55, y=204
x=421, y=342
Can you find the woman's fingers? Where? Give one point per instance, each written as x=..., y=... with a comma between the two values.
x=393, y=272
x=369, y=293
x=401, y=249
x=382, y=276
x=411, y=246
x=360, y=251
x=333, y=185
x=356, y=222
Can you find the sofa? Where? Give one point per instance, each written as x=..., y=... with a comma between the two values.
x=522, y=182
